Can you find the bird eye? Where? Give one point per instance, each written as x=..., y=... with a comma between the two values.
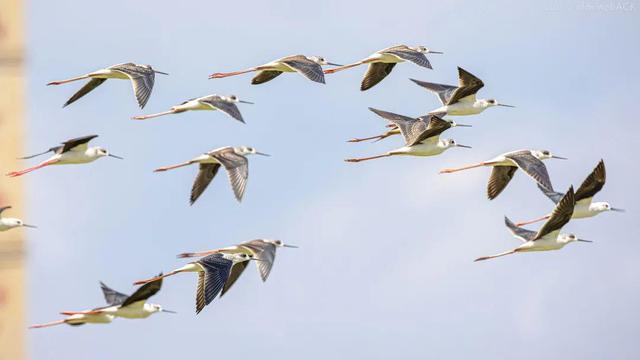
x=545, y=152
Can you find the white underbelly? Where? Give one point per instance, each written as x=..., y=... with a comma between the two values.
x=581, y=211
x=461, y=109
x=385, y=58
x=419, y=150
x=74, y=157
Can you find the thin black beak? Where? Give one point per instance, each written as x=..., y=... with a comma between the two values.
x=290, y=246
x=115, y=156
x=464, y=146
x=263, y=154
x=505, y=105
x=618, y=209
x=30, y=226
x=333, y=64
x=168, y=311
x=559, y=157
x=160, y=72
x=434, y=52
x=463, y=125
x=583, y=240
x=245, y=102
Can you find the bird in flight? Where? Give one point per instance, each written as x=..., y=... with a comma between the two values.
x=549, y=236
x=234, y=161
x=7, y=223
x=226, y=104
x=307, y=66
x=461, y=99
x=142, y=79
x=382, y=62
x=74, y=151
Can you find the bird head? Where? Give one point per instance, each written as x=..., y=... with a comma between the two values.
x=246, y=150
x=545, y=154
x=238, y=257
x=568, y=238
x=101, y=152
x=235, y=99
x=449, y=143
x=154, y=308
x=321, y=61
x=154, y=70
x=14, y=222
x=492, y=102
x=603, y=206
x=424, y=50
x=279, y=243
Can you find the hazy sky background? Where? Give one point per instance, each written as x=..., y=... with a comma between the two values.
x=385, y=265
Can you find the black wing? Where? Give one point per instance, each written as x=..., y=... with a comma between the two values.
x=237, y=167
x=206, y=173
x=2, y=209
x=306, y=67
x=468, y=85
x=532, y=166
x=375, y=73
x=111, y=296
x=551, y=194
x=216, y=273
x=593, y=183
x=521, y=233
x=560, y=216
x=226, y=107
x=87, y=88
x=70, y=144
x=499, y=179
x=443, y=91
x=144, y=292
x=264, y=253
x=264, y=76
x=410, y=128
x=236, y=271
x=415, y=57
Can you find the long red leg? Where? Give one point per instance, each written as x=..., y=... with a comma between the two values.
x=142, y=282
x=144, y=117
x=450, y=170
x=60, y=82
x=223, y=75
x=533, y=221
x=366, y=158
x=170, y=167
x=343, y=67
x=53, y=323
x=197, y=254
x=495, y=256
x=41, y=165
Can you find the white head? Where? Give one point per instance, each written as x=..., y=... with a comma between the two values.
x=11, y=223
x=568, y=238
x=321, y=61
x=545, y=154
x=449, y=143
x=603, y=206
x=152, y=69
x=234, y=99
x=246, y=150
x=154, y=308
x=279, y=243
x=237, y=257
x=487, y=103
x=99, y=152
x=424, y=50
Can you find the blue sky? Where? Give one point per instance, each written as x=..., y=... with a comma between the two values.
x=385, y=265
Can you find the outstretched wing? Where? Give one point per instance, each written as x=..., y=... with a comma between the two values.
x=375, y=73
x=532, y=166
x=142, y=80
x=560, y=216
x=410, y=128
x=593, y=183
x=306, y=67
x=444, y=92
x=520, y=233
x=264, y=76
x=77, y=144
x=236, y=271
x=212, y=279
x=237, y=167
x=87, y=88
x=408, y=54
x=499, y=179
x=227, y=107
x=206, y=173
x=111, y=296
x=264, y=253
x=468, y=86
x=553, y=195
x=144, y=292
x=2, y=209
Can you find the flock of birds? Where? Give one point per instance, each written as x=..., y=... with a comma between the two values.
x=219, y=269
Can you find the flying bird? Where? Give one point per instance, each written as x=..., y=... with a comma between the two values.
x=10, y=223
x=142, y=78
x=74, y=151
x=549, y=236
x=234, y=161
x=461, y=99
x=308, y=66
x=422, y=136
x=505, y=166
x=133, y=306
x=226, y=104
x=262, y=250
x=585, y=207
x=213, y=272
x=382, y=62
x=393, y=128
